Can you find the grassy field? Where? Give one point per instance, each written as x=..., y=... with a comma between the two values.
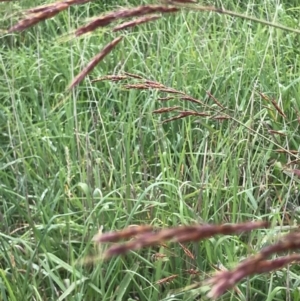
x=99, y=157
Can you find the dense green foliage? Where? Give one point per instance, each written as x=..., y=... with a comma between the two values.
x=99, y=157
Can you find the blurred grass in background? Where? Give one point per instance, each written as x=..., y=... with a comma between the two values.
x=69, y=165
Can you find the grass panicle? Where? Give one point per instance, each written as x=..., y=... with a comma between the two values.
x=177, y=234
x=94, y=61
x=122, y=14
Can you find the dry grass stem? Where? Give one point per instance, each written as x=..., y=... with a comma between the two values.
x=276, y=132
x=171, y=91
x=165, y=98
x=256, y=264
x=39, y=16
x=165, y=110
x=221, y=267
x=133, y=75
x=94, y=61
x=263, y=96
x=291, y=151
x=184, y=114
x=122, y=234
x=266, y=266
x=122, y=14
x=136, y=22
x=145, y=84
x=148, y=84
x=182, y=234
x=137, y=86
x=55, y=4
x=225, y=280
x=296, y=161
x=154, y=83
x=113, y=78
x=187, y=252
x=158, y=256
x=274, y=103
x=192, y=99
x=289, y=242
x=215, y=100
x=192, y=272
x=277, y=107
x=41, y=13
x=167, y=279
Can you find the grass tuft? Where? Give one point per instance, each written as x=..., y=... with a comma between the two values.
x=192, y=124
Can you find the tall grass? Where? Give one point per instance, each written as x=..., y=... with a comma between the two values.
x=98, y=156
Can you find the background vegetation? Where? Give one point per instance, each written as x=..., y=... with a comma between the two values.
x=100, y=158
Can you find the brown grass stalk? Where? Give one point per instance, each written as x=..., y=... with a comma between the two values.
x=113, y=78
x=166, y=280
x=225, y=280
x=158, y=256
x=41, y=15
x=94, y=61
x=171, y=91
x=154, y=83
x=165, y=98
x=122, y=234
x=184, y=114
x=136, y=22
x=282, y=150
x=165, y=110
x=177, y=234
x=147, y=84
x=276, y=132
x=137, y=86
x=277, y=107
x=133, y=75
x=53, y=5
x=215, y=100
x=122, y=14
x=274, y=103
x=192, y=99
x=263, y=96
x=192, y=272
x=187, y=252
x=257, y=264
